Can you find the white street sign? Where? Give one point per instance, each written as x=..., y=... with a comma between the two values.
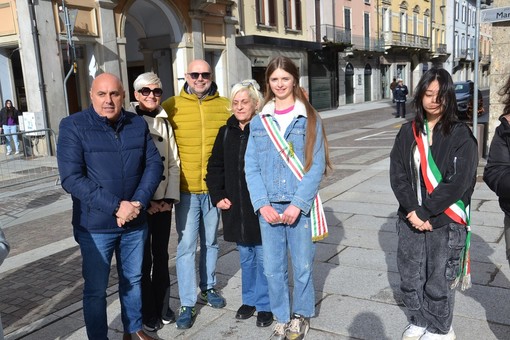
x=495, y=14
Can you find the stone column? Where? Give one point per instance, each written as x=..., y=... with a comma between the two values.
x=107, y=48
x=500, y=67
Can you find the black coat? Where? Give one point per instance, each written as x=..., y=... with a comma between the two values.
x=456, y=156
x=226, y=179
x=497, y=170
x=400, y=93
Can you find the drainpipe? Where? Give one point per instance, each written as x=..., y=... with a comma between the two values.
x=42, y=86
x=318, y=20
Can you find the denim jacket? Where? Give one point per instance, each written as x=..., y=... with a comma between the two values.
x=268, y=176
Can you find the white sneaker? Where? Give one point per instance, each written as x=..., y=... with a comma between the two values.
x=433, y=336
x=16, y=153
x=7, y=153
x=413, y=332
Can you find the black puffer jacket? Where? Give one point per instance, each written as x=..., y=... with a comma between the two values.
x=497, y=170
x=455, y=155
x=226, y=179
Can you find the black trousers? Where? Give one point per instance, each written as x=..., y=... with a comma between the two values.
x=156, y=287
x=401, y=109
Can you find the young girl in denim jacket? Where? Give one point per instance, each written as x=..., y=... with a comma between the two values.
x=286, y=200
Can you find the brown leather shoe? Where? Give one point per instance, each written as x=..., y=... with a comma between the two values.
x=140, y=335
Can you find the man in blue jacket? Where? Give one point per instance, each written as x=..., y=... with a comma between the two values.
x=111, y=167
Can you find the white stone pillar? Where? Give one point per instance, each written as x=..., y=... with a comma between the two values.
x=107, y=48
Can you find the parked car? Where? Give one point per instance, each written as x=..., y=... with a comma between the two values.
x=464, y=91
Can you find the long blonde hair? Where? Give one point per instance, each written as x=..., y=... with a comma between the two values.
x=286, y=64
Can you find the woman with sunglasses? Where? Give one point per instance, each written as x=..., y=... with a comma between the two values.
x=286, y=158
x=156, y=288
x=227, y=188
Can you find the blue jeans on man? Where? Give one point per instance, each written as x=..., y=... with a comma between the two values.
x=97, y=250
x=195, y=215
x=254, y=282
x=297, y=238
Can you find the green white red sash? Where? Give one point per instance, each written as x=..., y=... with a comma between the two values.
x=457, y=211
x=317, y=216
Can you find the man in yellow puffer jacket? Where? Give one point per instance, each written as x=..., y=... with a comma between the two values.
x=196, y=115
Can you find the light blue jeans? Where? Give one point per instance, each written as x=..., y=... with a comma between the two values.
x=97, y=250
x=254, y=282
x=195, y=215
x=8, y=129
x=297, y=239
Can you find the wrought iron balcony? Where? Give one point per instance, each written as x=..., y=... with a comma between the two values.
x=334, y=34
x=440, y=49
x=401, y=39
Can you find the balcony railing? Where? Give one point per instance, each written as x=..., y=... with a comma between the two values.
x=334, y=34
x=405, y=40
x=340, y=35
x=440, y=49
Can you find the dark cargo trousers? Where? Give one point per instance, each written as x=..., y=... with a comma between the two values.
x=428, y=263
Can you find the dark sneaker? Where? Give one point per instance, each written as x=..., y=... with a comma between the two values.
x=169, y=317
x=298, y=327
x=213, y=298
x=245, y=312
x=187, y=316
x=279, y=331
x=264, y=319
x=152, y=325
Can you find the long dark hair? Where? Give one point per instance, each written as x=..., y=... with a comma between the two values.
x=446, y=97
x=288, y=65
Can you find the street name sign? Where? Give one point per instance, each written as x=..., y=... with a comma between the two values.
x=495, y=14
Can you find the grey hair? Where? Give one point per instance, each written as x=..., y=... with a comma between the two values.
x=145, y=79
x=253, y=89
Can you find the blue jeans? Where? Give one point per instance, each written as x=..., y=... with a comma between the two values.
x=195, y=215
x=97, y=250
x=7, y=129
x=254, y=282
x=298, y=239
x=428, y=263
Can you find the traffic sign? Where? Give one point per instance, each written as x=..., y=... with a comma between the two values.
x=495, y=14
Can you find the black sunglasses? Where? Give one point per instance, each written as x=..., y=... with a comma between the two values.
x=145, y=91
x=195, y=75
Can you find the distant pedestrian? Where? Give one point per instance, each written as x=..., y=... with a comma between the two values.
x=392, y=87
x=228, y=190
x=9, y=125
x=109, y=164
x=433, y=173
x=155, y=274
x=497, y=170
x=286, y=159
x=400, y=93
x=4, y=251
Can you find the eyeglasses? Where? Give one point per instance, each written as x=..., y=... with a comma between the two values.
x=195, y=75
x=145, y=91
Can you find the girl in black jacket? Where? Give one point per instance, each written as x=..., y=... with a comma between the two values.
x=228, y=190
x=432, y=174
x=497, y=171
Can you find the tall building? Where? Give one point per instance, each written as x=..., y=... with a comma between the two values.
x=50, y=51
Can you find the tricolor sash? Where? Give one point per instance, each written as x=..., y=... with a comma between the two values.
x=457, y=211
x=317, y=216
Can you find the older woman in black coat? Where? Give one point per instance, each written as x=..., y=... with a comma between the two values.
x=228, y=190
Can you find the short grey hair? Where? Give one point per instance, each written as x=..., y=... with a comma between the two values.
x=145, y=79
x=253, y=88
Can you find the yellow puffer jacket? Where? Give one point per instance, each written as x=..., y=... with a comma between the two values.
x=195, y=123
